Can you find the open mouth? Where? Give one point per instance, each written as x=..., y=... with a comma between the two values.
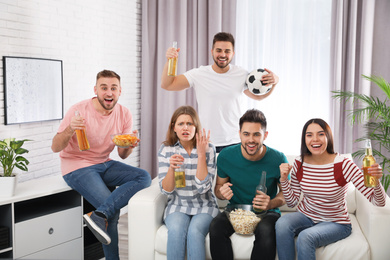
x=251, y=146
x=316, y=146
x=109, y=100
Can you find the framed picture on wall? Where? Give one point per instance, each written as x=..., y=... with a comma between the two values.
x=33, y=90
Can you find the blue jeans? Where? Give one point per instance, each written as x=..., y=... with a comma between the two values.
x=187, y=230
x=310, y=235
x=91, y=182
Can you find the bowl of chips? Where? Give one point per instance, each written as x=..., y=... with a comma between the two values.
x=242, y=218
x=125, y=140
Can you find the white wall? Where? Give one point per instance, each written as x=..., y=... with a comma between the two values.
x=88, y=36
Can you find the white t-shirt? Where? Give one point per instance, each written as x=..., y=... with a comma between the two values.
x=220, y=97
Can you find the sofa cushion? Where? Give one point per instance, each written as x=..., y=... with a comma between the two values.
x=355, y=246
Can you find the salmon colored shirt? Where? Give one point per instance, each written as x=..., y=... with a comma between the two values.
x=98, y=130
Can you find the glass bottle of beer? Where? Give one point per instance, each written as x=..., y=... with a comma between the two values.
x=180, y=178
x=172, y=63
x=261, y=187
x=81, y=137
x=368, y=160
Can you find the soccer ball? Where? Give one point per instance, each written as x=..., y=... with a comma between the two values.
x=255, y=85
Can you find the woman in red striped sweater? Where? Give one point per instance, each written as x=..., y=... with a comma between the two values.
x=321, y=175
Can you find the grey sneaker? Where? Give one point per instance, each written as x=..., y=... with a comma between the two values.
x=98, y=226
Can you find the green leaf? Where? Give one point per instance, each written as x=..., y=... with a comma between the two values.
x=21, y=151
x=377, y=113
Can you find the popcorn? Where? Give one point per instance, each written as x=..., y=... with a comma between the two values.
x=243, y=221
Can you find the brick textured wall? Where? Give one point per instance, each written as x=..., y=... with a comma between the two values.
x=88, y=36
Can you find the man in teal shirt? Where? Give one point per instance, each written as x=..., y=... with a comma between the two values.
x=239, y=170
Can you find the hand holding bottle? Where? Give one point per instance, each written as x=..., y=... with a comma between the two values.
x=176, y=161
x=77, y=122
x=375, y=171
x=79, y=126
x=370, y=173
x=261, y=200
x=172, y=60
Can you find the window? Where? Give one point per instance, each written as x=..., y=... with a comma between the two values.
x=292, y=39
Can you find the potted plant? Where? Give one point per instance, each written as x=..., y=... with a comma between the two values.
x=377, y=113
x=10, y=157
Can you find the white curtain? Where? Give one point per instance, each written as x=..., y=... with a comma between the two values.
x=292, y=39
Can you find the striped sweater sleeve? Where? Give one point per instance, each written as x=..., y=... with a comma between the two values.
x=352, y=173
x=292, y=190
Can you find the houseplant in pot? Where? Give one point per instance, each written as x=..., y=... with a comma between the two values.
x=377, y=112
x=11, y=152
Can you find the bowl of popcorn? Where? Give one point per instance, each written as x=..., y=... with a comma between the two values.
x=125, y=140
x=242, y=218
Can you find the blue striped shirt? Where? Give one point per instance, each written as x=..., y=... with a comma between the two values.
x=197, y=197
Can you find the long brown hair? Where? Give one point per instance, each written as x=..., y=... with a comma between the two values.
x=328, y=133
x=171, y=137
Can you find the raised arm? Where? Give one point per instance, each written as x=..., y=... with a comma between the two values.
x=202, y=142
x=170, y=83
x=61, y=140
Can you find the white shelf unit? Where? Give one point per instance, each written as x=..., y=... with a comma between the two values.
x=44, y=219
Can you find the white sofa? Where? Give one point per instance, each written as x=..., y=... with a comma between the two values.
x=369, y=238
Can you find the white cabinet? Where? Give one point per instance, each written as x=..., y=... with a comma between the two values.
x=69, y=250
x=44, y=218
x=47, y=231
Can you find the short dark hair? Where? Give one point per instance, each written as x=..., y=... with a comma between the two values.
x=107, y=74
x=223, y=37
x=254, y=116
x=328, y=133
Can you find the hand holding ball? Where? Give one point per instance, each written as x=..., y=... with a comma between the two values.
x=255, y=85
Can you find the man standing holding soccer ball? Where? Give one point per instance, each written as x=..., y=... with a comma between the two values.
x=218, y=89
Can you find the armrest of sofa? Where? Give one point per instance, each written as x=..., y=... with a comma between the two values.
x=375, y=224
x=145, y=214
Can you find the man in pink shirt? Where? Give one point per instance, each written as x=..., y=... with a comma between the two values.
x=89, y=172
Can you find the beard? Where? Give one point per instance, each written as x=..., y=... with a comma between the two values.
x=251, y=152
x=110, y=107
x=221, y=66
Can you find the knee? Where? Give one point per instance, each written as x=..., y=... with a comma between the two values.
x=282, y=226
x=146, y=179
x=305, y=239
x=177, y=231
x=265, y=230
x=196, y=232
x=114, y=218
x=215, y=227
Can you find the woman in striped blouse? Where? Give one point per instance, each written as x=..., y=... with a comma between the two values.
x=321, y=175
x=190, y=209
